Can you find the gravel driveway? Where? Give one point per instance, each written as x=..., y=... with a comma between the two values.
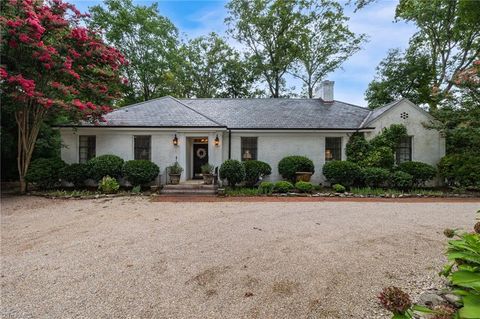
x=132, y=258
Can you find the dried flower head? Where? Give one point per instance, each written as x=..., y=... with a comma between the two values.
x=449, y=233
x=395, y=300
x=443, y=312
x=477, y=227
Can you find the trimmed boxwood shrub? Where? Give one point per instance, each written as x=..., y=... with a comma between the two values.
x=402, y=180
x=45, y=172
x=140, y=172
x=283, y=187
x=266, y=188
x=104, y=165
x=254, y=170
x=289, y=165
x=233, y=171
x=375, y=176
x=75, y=173
x=304, y=187
x=342, y=172
x=421, y=172
x=462, y=170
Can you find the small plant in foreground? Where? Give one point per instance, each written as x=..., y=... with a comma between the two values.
x=283, y=187
x=241, y=191
x=108, y=185
x=338, y=188
x=266, y=188
x=304, y=187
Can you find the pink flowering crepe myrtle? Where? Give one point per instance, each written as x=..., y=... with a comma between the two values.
x=51, y=64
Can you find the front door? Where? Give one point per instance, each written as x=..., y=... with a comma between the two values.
x=200, y=157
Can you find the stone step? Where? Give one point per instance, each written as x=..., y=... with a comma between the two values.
x=190, y=186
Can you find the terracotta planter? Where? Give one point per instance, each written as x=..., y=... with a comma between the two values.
x=207, y=179
x=304, y=176
x=174, y=179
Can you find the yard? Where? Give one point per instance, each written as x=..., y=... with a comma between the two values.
x=133, y=258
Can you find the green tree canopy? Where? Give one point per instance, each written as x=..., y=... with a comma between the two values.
x=147, y=39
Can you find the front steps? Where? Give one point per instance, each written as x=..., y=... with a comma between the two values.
x=189, y=189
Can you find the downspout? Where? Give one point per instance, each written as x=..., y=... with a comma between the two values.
x=229, y=143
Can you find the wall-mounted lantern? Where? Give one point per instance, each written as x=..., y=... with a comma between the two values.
x=216, y=141
x=175, y=140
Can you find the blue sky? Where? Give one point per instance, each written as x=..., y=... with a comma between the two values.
x=196, y=18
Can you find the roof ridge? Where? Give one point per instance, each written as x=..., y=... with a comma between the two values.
x=188, y=107
x=140, y=103
x=361, y=107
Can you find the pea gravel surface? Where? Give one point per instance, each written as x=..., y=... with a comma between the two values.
x=129, y=257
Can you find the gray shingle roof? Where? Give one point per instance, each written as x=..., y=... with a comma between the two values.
x=280, y=113
x=240, y=114
x=161, y=112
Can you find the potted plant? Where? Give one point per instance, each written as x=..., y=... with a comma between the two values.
x=207, y=173
x=303, y=176
x=174, y=171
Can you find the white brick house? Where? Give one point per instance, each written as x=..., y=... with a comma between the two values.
x=194, y=131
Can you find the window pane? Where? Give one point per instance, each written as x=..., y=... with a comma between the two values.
x=404, y=150
x=249, y=148
x=142, y=147
x=86, y=147
x=333, y=148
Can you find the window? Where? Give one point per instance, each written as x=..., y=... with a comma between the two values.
x=404, y=150
x=249, y=148
x=333, y=148
x=142, y=147
x=86, y=147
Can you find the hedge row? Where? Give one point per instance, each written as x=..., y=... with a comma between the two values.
x=404, y=176
x=249, y=172
x=47, y=173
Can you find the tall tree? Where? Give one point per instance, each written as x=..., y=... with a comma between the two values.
x=149, y=42
x=269, y=29
x=211, y=68
x=52, y=65
x=401, y=75
x=448, y=36
x=324, y=44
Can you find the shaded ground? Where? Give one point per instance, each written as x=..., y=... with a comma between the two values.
x=132, y=258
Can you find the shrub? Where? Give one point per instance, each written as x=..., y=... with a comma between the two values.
x=357, y=148
x=140, y=172
x=75, y=173
x=402, y=180
x=108, y=185
x=339, y=188
x=45, y=172
x=390, y=136
x=375, y=176
x=304, y=187
x=289, y=165
x=233, y=171
x=379, y=157
x=460, y=170
x=342, y=172
x=421, y=172
x=283, y=187
x=104, y=165
x=175, y=169
x=207, y=169
x=254, y=170
x=266, y=188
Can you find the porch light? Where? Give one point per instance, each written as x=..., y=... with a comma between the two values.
x=216, y=141
x=175, y=140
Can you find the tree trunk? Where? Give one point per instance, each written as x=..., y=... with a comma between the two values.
x=29, y=119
